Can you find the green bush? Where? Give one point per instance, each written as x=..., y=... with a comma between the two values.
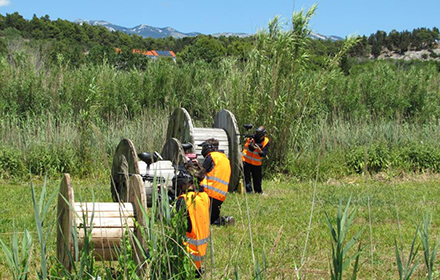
x=50, y=159
x=421, y=157
x=11, y=163
x=374, y=158
x=41, y=160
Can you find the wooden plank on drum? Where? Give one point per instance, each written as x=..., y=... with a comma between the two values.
x=124, y=161
x=208, y=131
x=65, y=221
x=105, y=222
x=100, y=242
x=110, y=234
x=226, y=121
x=103, y=207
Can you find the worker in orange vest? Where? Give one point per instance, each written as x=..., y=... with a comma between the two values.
x=196, y=202
x=216, y=181
x=255, y=149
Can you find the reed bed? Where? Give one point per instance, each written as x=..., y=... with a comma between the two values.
x=325, y=126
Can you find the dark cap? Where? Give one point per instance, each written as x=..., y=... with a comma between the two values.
x=210, y=141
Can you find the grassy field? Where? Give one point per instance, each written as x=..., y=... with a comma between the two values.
x=277, y=229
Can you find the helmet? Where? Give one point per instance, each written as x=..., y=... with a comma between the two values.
x=182, y=178
x=210, y=145
x=260, y=132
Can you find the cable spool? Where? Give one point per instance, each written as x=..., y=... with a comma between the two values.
x=107, y=223
x=126, y=163
x=224, y=129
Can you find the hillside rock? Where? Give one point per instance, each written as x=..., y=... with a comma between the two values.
x=410, y=55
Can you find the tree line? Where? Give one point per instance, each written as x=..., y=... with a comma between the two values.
x=84, y=43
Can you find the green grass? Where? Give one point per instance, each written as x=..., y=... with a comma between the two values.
x=279, y=223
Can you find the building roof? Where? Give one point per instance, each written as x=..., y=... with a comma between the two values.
x=154, y=53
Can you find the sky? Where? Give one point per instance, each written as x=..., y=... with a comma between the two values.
x=336, y=17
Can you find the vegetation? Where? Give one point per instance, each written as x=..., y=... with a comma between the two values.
x=67, y=98
x=278, y=222
x=51, y=112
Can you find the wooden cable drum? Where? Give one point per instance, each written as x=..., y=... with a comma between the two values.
x=224, y=129
x=106, y=222
x=173, y=151
x=125, y=163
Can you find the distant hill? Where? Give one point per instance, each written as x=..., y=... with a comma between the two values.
x=157, y=32
x=314, y=35
x=141, y=30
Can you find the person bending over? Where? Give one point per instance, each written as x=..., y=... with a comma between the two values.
x=197, y=204
x=216, y=181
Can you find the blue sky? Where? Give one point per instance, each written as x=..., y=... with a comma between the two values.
x=337, y=17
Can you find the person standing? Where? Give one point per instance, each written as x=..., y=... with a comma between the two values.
x=197, y=205
x=255, y=149
x=216, y=180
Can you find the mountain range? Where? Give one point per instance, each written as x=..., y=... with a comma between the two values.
x=157, y=32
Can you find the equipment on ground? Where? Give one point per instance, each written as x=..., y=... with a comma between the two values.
x=224, y=130
x=103, y=223
x=180, y=147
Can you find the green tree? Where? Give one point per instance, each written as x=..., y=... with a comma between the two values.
x=405, y=41
x=393, y=40
x=206, y=48
x=16, y=21
x=240, y=49
x=2, y=22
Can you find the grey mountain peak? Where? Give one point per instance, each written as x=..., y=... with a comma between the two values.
x=157, y=32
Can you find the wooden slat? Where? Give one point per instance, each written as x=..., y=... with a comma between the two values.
x=65, y=221
x=208, y=131
x=99, y=222
x=109, y=234
x=102, y=242
x=103, y=207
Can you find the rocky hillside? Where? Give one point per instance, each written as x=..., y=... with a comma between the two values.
x=433, y=54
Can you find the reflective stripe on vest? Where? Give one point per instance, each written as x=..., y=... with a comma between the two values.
x=216, y=182
x=251, y=158
x=214, y=189
x=197, y=242
x=212, y=178
x=197, y=258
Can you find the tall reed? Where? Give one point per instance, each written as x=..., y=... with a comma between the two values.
x=340, y=260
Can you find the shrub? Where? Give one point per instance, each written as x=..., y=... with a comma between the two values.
x=52, y=159
x=374, y=158
x=421, y=157
x=11, y=163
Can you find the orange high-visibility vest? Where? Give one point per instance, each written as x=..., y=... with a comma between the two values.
x=253, y=157
x=217, y=180
x=197, y=205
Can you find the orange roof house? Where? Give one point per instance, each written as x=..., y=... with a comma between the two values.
x=153, y=53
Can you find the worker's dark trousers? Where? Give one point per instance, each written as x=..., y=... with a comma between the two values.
x=257, y=176
x=216, y=206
